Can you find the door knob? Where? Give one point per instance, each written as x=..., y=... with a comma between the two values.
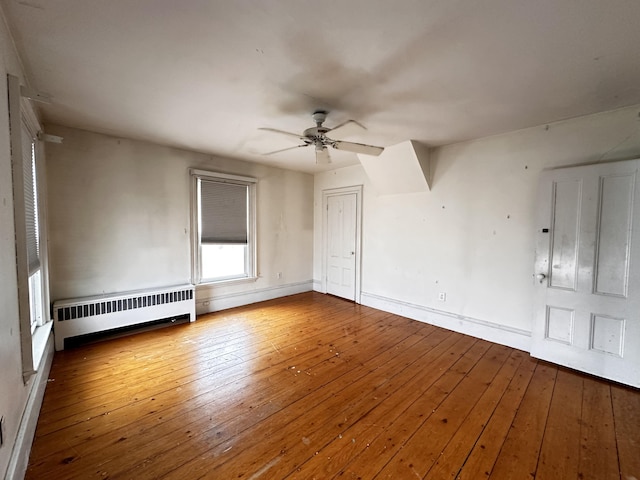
x=541, y=277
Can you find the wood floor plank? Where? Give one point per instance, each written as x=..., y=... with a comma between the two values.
x=155, y=406
x=598, y=452
x=252, y=350
x=311, y=386
x=455, y=454
x=385, y=447
x=326, y=422
x=286, y=430
x=113, y=381
x=519, y=454
x=94, y=355
x=353, y=440
x=418, y=454
x=127, y=387
x=626, y=411
x=484, y=453
x=560, y=450
x=213, y=383
x=71, y=392
x=326, y=378
x=104, y=425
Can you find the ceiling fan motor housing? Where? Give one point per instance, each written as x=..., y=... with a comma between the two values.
x=319, y=116
x=314, y=133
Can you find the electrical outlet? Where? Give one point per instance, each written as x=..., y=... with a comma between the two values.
x=2, y=431
x=279, y=275
x=442, y=296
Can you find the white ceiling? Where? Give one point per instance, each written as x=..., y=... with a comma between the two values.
x=205, y=75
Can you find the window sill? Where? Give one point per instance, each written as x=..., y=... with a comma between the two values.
x=39, y=341
x=224, y=283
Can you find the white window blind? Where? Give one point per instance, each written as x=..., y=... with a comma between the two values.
x=30, y=201
x=223, y=213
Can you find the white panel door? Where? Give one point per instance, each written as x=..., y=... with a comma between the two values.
x=341, y=245
x=587, y=270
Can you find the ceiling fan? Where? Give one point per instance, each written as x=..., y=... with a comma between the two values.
x=317, y=137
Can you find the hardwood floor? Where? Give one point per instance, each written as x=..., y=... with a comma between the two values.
x=311, y=386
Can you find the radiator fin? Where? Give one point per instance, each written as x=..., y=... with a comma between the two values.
x=130, y=303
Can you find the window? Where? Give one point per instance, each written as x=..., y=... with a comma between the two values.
x=30, y=230
x=224, y=237
x=32, y=225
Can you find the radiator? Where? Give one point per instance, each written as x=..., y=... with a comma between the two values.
x=91, y=315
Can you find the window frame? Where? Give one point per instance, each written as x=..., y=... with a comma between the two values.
x=33, y=338
x=196, y=177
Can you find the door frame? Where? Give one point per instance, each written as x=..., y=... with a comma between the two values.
x=332, y=192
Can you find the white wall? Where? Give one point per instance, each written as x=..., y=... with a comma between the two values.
x=14, y=393
x=119, y=220
x=472, y=235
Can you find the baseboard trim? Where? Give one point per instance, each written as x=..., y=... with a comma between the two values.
x=19, y=459
x=231, y=300
x=317, y=286
x=493, y=332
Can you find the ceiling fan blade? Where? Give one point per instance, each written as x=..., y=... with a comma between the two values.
x=282, y=132
x=322, y=156
x=357, y=148
x=285, y=149
x=348, y=128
